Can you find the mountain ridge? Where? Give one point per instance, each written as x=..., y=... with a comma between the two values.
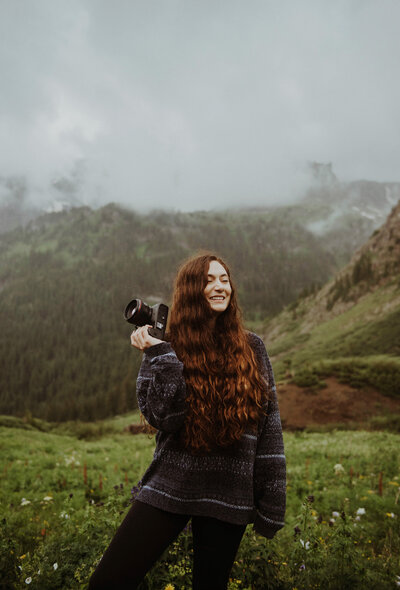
x=353, y=320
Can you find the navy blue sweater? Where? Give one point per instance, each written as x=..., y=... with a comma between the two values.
x=243, y=483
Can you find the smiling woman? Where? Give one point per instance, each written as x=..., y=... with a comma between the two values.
x=209, y=391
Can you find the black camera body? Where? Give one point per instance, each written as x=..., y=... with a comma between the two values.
x=139, y=314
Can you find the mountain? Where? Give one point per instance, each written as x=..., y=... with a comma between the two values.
x=351, y=326
x=343, y=213
x=66, y=278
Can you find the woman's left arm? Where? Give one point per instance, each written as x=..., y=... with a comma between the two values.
x=270, y=462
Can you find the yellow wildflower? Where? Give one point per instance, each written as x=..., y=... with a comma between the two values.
x=169, y=587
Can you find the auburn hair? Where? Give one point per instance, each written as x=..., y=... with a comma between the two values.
x=225, y=392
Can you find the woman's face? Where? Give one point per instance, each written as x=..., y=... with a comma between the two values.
x=218, y=289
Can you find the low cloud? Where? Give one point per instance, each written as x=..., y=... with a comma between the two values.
x=188, y=105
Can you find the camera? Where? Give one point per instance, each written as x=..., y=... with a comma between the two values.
x=139, y=313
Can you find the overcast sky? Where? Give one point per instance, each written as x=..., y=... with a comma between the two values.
x=190, y=104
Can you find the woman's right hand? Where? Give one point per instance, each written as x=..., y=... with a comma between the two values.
x=141, y=339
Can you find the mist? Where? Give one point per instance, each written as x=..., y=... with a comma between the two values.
x=183, y=105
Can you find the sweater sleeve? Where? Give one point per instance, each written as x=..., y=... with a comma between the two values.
x=161, y=388
x=270, y=463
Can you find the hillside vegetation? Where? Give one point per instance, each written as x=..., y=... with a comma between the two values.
x=349, y=328
x=65, y=280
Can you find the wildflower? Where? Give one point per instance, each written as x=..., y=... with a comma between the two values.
x=63, y=514
x=302, y=567
x=360, y=511
x=397, y=580
x=169, y=587
x=305, y=544
x=47, y=498
x=335, y=514
x=338, y=468
x=55, y=566
x=25, y=502
x=28, y=580
x=331, y=521
x=22, y=556
x=391, y=514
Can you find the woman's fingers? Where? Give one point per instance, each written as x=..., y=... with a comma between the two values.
x=141, y=338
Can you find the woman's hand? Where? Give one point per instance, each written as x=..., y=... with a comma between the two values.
x=141, y=338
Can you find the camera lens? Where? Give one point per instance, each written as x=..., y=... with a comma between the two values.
x=138, y=313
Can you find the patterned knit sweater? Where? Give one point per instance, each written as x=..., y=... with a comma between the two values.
x=244, y=483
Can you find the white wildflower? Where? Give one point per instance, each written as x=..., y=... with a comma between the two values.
x=55, y=566
x=64, y=514
x=332, y=520
x=305, y=544
x=338, y=468
x=28, y=580
x=25, y=502
x=357, y=518
x=47, y=498
x=360, y=511
x=335, y=514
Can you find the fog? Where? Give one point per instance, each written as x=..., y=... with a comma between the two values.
x=196, y=105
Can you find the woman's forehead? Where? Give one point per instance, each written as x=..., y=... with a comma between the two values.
x=216, y=269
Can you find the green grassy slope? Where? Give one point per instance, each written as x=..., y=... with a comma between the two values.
x=362, y=322
x=62, y=498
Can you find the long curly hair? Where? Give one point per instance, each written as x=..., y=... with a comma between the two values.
x=225, y=392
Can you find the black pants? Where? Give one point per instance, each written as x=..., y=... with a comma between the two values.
x=144, y=535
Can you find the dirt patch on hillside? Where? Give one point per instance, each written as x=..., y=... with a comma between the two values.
x=336, y=403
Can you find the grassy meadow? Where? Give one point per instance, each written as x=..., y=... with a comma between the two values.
x=64, y=489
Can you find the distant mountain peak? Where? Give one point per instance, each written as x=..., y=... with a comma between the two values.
x=322, y=173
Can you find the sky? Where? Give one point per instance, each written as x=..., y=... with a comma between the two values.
x=189, y=105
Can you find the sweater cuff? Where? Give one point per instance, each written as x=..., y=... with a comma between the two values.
x=158, y=349
x=265, y=528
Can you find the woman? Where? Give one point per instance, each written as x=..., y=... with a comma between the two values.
x=209, y=391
